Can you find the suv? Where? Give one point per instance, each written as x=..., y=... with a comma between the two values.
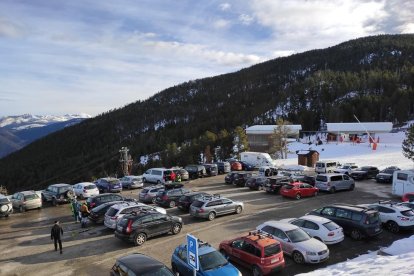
x=6, y=207
x=258, y=251
x=156, y=175
x=241, y=178
x=256, y=182
x=356, y=221
x=223, y=167
x=211, y=169
x=332, y=182
x=275, y=183
x=211, y=206
x=386, y=175
x=364, y=172
x=394, y=216
x=109, y=185
x=137, y=228
x=169, y=198
x=117, y=211
x=186, y=200
x=196, y=171
x=58, y=193
x=346, y=168
x=95, y=201
x=26, y=200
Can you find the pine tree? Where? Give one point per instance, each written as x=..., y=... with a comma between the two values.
x=408, y=143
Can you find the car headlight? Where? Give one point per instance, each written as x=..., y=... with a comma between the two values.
x=239, y=273
x=311, y=253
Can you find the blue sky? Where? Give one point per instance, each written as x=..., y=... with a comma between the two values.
x=90, y=56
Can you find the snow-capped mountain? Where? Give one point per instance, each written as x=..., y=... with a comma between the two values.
x=18, y=131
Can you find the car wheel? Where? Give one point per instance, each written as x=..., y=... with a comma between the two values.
x=333, y=190
x=144, y=180
x=153, y=200
x=140, y=238
x=171, y=204
x=158, y=182
x=176, y=229
x=239, y=209
x=298, y=257
x=21, y=209
x=393, y=227
x=356, y=235
x=256, y=271
x=298, y=196
x=352, y=187
x=211, y=216
x=54, y=202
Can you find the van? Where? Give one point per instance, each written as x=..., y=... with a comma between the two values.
x=333, y=182
x=326, y=166
x=257, y=159
x=156, y=175
x=403, y=182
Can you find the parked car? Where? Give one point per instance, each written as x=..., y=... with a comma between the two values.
x=357, y=221
x=58, y=193
x=310, y=179
x=97, y=200
x=211, y=262
x=108, y=185
x=407, y=197
x=386, y=175
x=137, y=228
x=85, y=190
x=196, y=171
x=268, y=171
x=139, y=264
x=333, y=182
x=211, y=206
x=228, y=179
x=256, y=182
x=320, y=228
x=240, y=178
x=211, y=169
x=148, y=194
x=275, y=183
x=364, y=172
x=223, y=167
x=246, y=166
x=409, y=204
x=186, y=200
x=236, y=166
x=346, y=168
x=169, y=198
x=6, y=207
x=97, y=214
x=296, y=242
x=394, y=217
x=26, y=200
x=326, y=166
x=117, y=211
x=257, y=251
x=298, y=190
x=156, y=175
x=132, y=182
x=182, y=172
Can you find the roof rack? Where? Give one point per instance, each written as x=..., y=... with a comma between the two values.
x=211, y=197
x=260, y=234
x=202, y=243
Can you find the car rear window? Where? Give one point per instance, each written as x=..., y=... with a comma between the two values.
x=288, y=187
x=144, y=191
x=322, y=178
x=4, y=200
x=330, y=225
x=272, y=249
x=112, y=212
x=408, y=213
x=90, y=187
x=32, y=196
x=197, y=203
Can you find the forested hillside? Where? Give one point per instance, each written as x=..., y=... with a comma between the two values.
x=371, y=77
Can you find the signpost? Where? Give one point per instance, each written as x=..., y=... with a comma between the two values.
x=192, y=252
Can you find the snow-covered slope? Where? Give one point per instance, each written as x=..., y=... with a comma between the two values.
x=26, y=121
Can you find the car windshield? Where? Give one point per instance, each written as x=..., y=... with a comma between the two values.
x=4, y=200
x=364, y=169
x=89, y=187
x=322, y=178
x=144, y=191
x=272, y=249
x=114, y=181
x=388, y=171
x=111, y=212
x=288, y=187
x=63, y=189
x=32, y=196
x=297, y=235
x=331, y=225
x=212, y=260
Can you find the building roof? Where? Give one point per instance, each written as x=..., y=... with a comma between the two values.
x=362, y=127
x=268, y=129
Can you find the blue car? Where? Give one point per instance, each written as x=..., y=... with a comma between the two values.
x=246, y=166
x=211, y=262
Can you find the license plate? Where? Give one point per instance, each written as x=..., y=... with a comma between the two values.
x=272, y=261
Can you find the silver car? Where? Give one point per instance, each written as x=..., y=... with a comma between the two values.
x=26, y=200
x=148, y=194
x=132, y=182
x=211, y=206
x=332, y=182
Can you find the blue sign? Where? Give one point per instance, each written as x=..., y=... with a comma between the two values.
x=192, y=251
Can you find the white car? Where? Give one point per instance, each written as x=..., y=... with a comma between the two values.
x=296, y=242
x=346, y=168
x=394, y=216
x=117, y=211
x=132, y=182
x=85, y=189
x=320, y=228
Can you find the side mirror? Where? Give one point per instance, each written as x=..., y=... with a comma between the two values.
x=286, y=239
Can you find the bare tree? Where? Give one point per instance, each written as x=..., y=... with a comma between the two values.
x=279, y=139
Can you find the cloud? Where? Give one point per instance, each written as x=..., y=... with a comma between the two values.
x=9, y=29
x=224, y=6
x=221, y=24
x=245, y=19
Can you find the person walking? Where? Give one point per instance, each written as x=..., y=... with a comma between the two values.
x=84, y=213
x=75, y=209
x=172, y=176
x=55, y=235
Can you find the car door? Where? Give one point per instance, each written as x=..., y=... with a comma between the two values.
x=216, y=206
x=311, y=228
x=347, y=181
x=250, y=254
x=227, y=206
x=161, y=223
x=281, y=236
x=304, y=189
x=182, y=263
x=235, y=250
x=13, y=200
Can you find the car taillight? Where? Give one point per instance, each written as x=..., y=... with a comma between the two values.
x=129, y=227
x=403, y=218
x=330, y=234
x=164, y=197
x=114, y=218
x=201, y=210
x=92, y=204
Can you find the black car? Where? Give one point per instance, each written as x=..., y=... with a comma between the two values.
x=137, y=228
x=257, y=182
x=310, y=179
x=228, y=179
x=211, y=169
x=97, y=200
x=169, y=198
x=275, y=183
x=246, y=166
x=223, y=167
x=139, y=264
x=196, y=171
x=385, y=176
x=241, y=178
x=97, y=214
x=186, y=200
x=58, y=193
x=357, y=221
x=364, y=172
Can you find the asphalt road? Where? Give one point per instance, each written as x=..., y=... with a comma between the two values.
x=26, y=248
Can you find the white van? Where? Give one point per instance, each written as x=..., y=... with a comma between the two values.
x=403, y=182
x=156, y=175
x=327, y=166
x=257, y=159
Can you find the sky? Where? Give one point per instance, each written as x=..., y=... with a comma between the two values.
x=83, y=56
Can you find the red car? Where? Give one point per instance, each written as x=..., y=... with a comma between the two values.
x=298, y=190
x=408, y=197
x=258, y=251
x=236, y=166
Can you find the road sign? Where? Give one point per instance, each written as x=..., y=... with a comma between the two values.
x=192, y=251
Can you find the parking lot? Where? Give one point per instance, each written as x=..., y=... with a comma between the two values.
x=27, y=248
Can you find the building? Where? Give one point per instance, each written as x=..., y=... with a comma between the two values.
x=348, y=131
x=307, y=157
x=259, y=136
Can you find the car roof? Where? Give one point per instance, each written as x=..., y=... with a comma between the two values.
x=262, y=239
x=126, y=204
x=348, y=206
x=316, y=219
x=140, y=263
x=396, y=206
x=85, y=183
x=203, y=248
x=27, y=192
x=284, y=226
x=60, y=185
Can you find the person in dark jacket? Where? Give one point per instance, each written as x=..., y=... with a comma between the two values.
x=55, y=235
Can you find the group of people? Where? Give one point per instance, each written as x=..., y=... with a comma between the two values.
x=80, y=212
x=174, y=177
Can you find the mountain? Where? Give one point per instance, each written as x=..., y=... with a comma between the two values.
x=18, y=131
x=371, y=77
